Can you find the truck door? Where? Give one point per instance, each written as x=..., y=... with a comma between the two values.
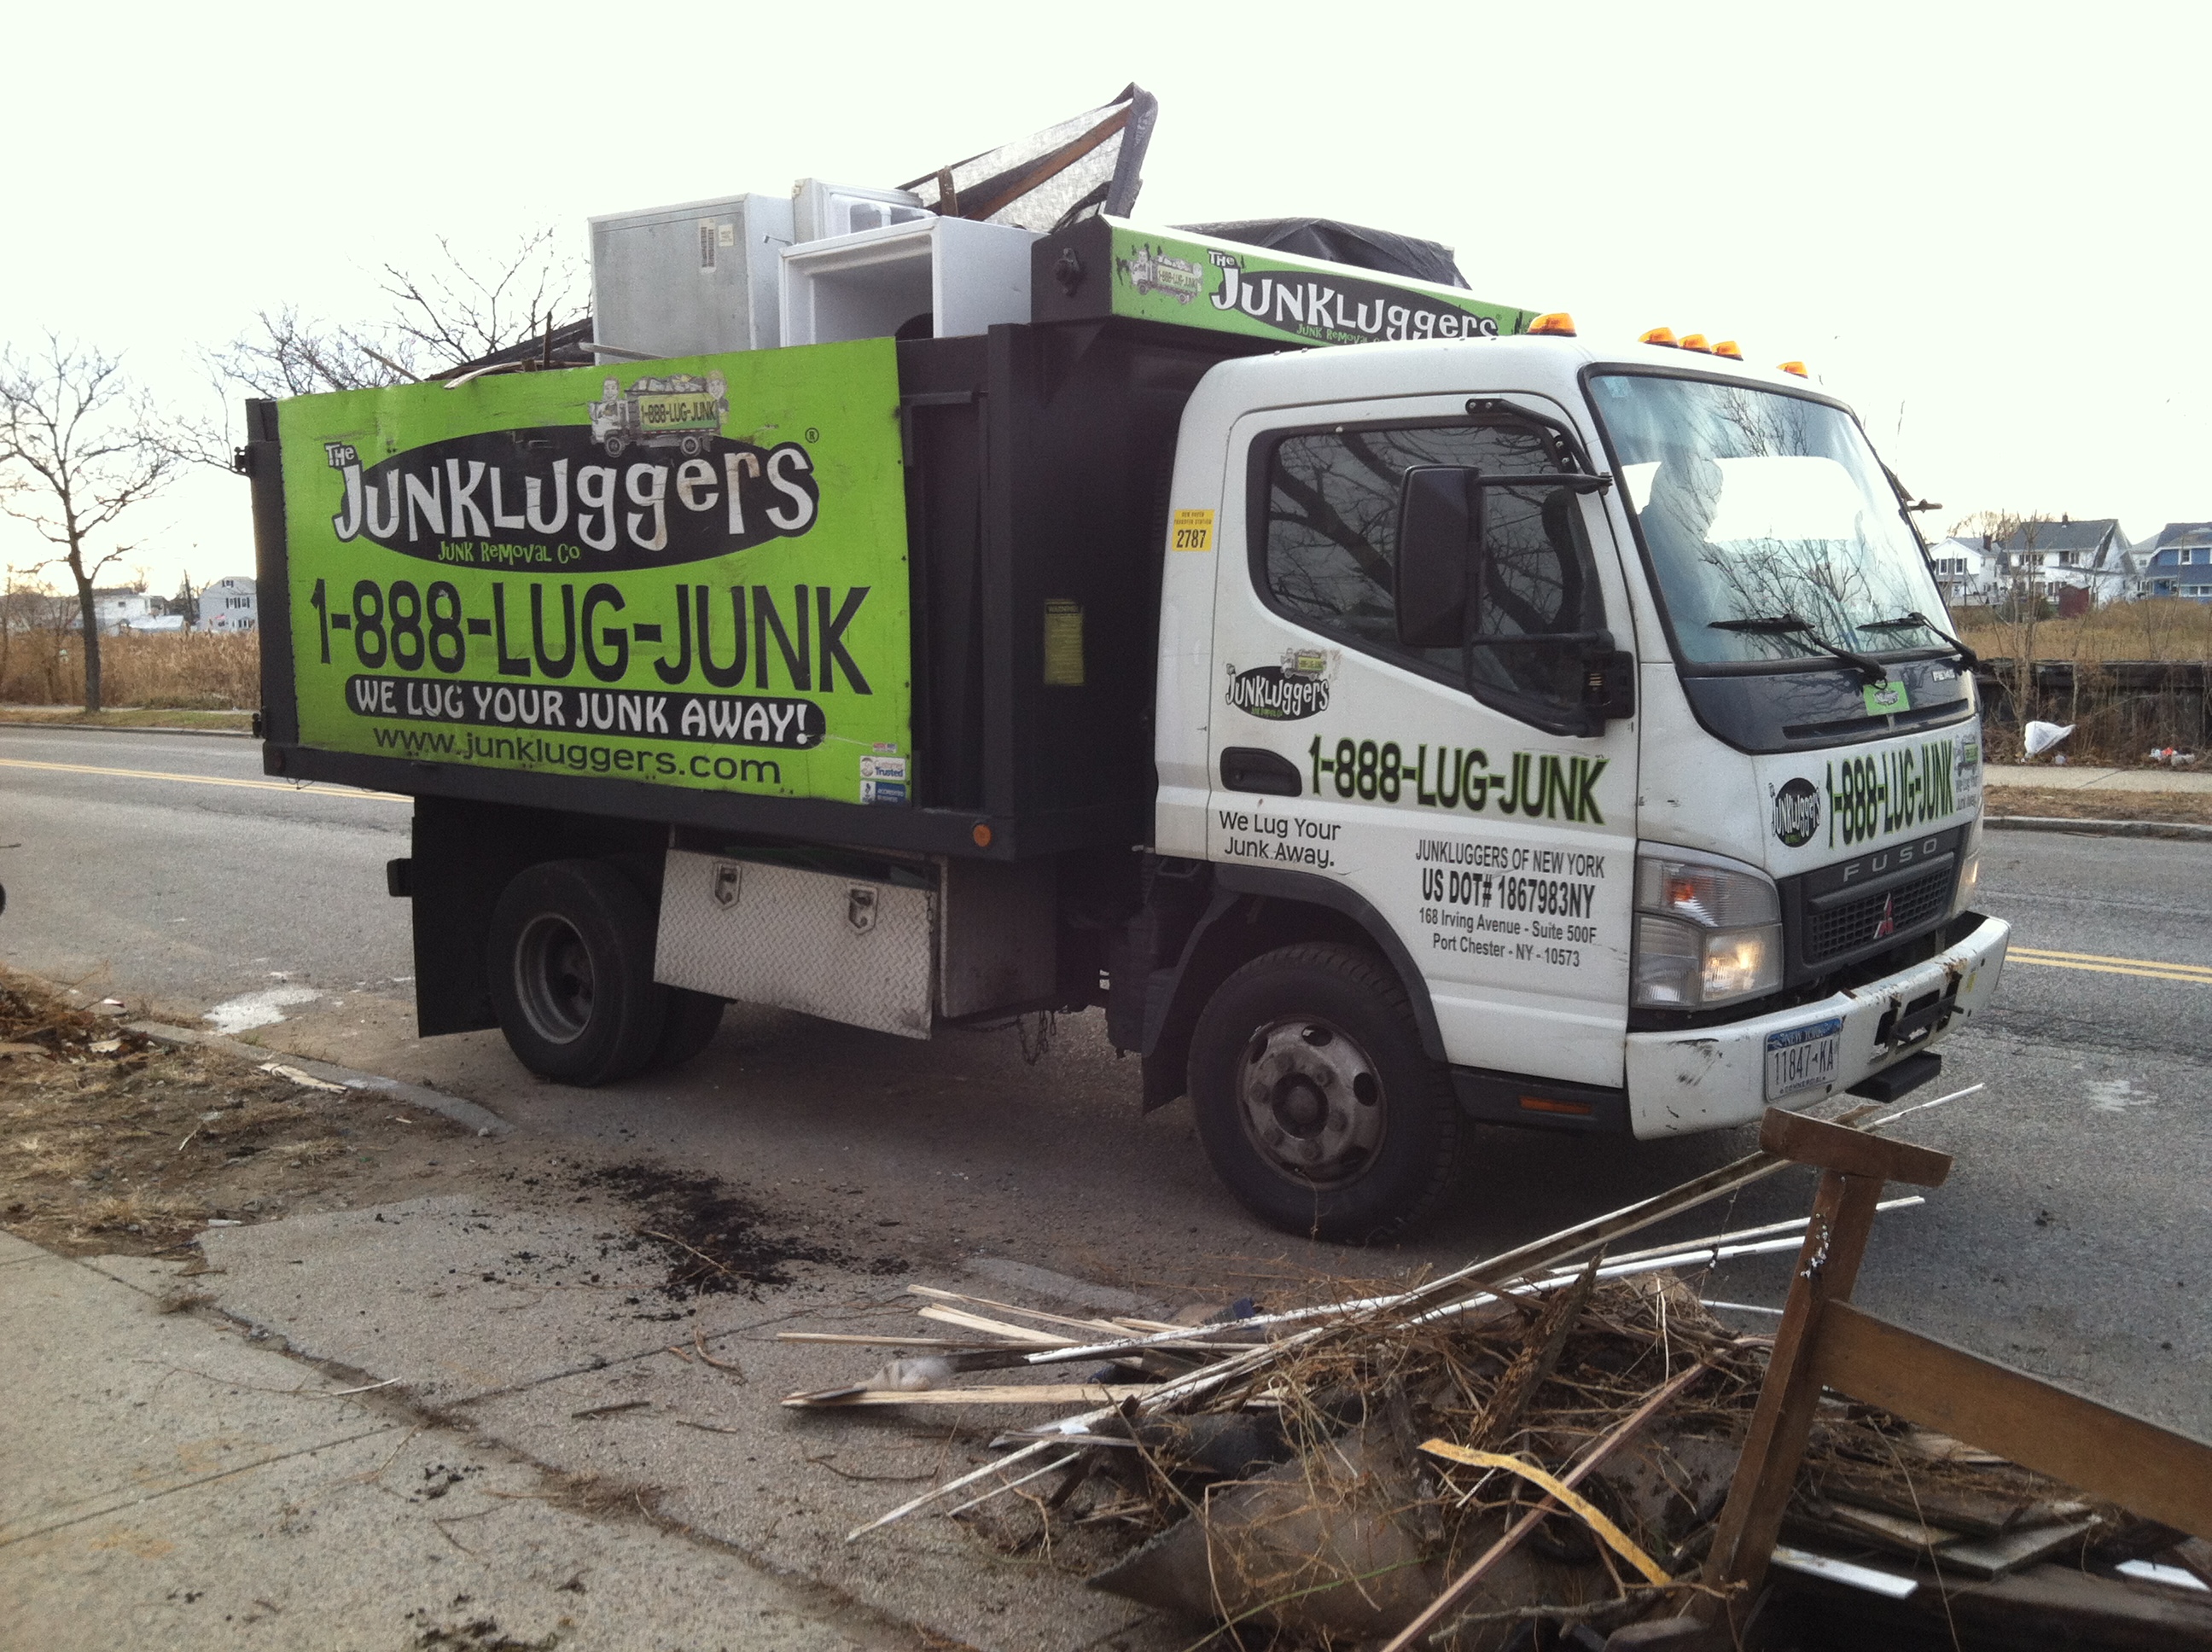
x=1466, y=793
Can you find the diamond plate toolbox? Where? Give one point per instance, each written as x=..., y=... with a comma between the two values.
x=848, y=949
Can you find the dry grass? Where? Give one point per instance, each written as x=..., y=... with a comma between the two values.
x=2164, y=627
x=173, y=670
x=112, y=1142
x=2072, y=802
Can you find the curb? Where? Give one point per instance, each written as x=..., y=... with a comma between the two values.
x=483, y=1120
x=2180, y=830
x=137, y=728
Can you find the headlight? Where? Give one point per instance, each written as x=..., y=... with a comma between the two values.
x=1706, y=935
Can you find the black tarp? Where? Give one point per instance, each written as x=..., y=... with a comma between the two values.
x=1342, y=243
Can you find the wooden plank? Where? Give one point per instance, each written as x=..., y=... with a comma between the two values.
x=2093, y=1447
x=850, y=1340
x=1002, y=1393
x=1808, y=1140
x=1827, y=1266
x=1020, y=1334
x=2054, y=1607
x=1997, y=1556
x=935, y=1295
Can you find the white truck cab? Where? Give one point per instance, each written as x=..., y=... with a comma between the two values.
x=1637, y=794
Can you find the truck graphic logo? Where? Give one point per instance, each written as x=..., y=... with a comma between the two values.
x=1151, y=270
x=681, y=410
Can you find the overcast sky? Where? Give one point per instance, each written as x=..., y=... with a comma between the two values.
x=1983, y=226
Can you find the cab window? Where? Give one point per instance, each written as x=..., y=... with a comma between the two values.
x=1326, y=550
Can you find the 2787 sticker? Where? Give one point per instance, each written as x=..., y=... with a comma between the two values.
x=1194, y=530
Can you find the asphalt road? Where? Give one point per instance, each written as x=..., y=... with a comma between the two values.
x=2075, y=1237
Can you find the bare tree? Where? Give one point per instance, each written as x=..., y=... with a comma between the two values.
x=453, y=313
x=2013, y=536
x=80, y=445
x=289, y=355
x=458, y=312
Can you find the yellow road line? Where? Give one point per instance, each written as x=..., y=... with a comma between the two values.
x=308, y=788
x=2098, y=963
x=2099, y=957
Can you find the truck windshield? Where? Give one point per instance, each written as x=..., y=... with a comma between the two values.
x=1760, y=508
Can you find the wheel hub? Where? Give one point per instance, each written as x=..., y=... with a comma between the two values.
x=1310, y=1102
x=553, y=979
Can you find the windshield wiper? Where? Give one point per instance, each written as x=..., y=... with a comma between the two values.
x=1968, y=657
x=1790, y=625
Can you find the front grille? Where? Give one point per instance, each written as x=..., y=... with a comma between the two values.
x=1831, y=931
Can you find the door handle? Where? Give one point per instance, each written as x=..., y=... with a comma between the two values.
x=1250, y=768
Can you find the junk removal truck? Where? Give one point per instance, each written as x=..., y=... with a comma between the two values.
x=1396, y=711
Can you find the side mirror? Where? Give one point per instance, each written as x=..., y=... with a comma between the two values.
x=1439, y=526
x=1608, y=682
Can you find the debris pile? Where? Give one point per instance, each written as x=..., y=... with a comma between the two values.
x=1535, y=1451
x=33, y=1022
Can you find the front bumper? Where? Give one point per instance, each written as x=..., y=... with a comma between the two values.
x=1681, y=1082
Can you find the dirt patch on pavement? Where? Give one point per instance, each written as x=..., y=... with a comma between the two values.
x=715, y=1241
x=2187, y=808
x=111, y=1142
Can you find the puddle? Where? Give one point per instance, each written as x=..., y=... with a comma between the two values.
x=2117, y=1095
x=263, y=1009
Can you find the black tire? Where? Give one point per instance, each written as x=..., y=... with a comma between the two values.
x=1315, y=1102
x=571, y=967
x=687, y=1027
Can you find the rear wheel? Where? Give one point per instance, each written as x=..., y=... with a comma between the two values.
x=1316, y=1102
x=571, y=963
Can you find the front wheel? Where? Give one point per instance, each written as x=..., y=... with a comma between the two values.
x=1316, y=1102
x=571, y=966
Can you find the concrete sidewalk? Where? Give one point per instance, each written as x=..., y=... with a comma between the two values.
x=167, y=1479
x=2086, y=779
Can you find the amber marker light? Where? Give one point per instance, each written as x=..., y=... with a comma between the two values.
x=1696, y=340
x=1558, y=325
x=1795, y=369
x=1729, y=348
x=981, y=834
x=1661, y=336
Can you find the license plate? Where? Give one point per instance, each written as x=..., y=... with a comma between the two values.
x=1802, y=1058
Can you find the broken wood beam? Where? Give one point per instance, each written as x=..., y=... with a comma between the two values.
x=1807, y=1140
x=1828, y=1267
x=2149, y=1470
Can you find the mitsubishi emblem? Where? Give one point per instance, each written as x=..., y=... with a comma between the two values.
x=1889, y=924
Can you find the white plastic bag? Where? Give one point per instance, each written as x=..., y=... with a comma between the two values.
x=2041, y=736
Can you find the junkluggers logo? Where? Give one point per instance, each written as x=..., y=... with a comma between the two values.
x=1297, y=688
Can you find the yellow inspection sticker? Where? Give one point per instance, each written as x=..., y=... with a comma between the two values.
x=1194, y=530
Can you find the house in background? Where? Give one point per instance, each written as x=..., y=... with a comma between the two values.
x=2179, y=563
x=115, y=608
x=2077, y=565
x=229, y=605
x=1966, y=570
